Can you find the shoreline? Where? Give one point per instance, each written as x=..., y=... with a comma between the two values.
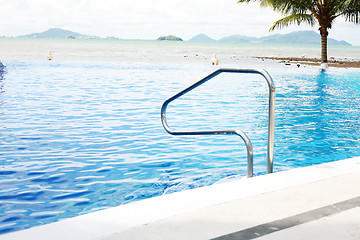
x=313, y=61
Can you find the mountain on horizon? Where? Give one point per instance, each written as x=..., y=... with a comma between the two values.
x=201, y=38
x=298, y=37
x=238, y=39
x=57, y=33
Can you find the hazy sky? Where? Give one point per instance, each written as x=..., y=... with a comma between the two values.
x=148, y=19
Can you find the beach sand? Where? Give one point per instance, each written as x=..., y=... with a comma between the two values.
x=314, y=61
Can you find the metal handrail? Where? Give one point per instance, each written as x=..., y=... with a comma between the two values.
x=270, y=149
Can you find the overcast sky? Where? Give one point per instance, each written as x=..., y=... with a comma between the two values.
x=148, y=19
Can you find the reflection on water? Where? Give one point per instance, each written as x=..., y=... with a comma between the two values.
x=2, y=73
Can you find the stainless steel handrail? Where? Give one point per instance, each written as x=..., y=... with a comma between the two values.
x=270, y=149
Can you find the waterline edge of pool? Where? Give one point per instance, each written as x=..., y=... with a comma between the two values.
x=105, y=223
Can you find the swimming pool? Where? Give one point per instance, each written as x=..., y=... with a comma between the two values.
x=79, y=137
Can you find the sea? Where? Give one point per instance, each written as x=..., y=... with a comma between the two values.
x=233, y=54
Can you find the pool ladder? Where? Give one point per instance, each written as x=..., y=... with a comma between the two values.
x=271, y=117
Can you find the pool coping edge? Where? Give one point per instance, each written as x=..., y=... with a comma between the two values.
x=104, y=223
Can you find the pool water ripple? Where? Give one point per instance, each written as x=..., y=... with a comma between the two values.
x=80, y=137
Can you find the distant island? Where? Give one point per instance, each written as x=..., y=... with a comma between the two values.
x=299, y=37
x=58, y=33
x=202, y=38
x=169, y=38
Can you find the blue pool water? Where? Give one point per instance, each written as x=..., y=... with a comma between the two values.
x=79, y=137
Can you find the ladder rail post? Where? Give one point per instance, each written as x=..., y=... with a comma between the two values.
x=271, y=131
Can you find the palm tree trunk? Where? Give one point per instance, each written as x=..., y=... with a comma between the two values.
x=324, y=35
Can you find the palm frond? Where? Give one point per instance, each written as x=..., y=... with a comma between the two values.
x=300, y=9
x=293, y=19
x=351, y=11
x=354, y=18
x=340, y=6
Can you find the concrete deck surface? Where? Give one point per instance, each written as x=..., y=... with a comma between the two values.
x=309, y=209
x=317, y=202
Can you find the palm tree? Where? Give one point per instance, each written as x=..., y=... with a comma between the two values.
x=323, y=12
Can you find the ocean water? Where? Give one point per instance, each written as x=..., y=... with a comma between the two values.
x=160, y=51
x=83, y=132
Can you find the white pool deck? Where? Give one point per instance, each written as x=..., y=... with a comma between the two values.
x=316, y=202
